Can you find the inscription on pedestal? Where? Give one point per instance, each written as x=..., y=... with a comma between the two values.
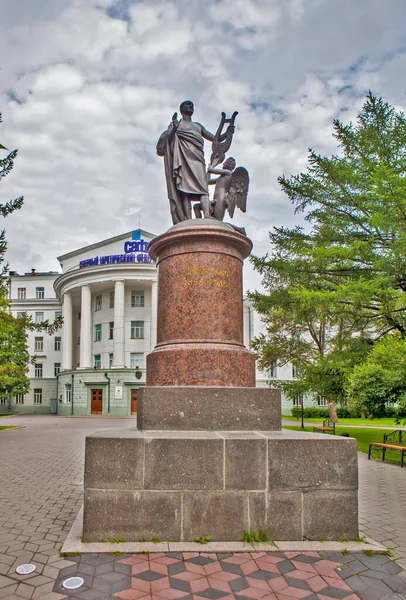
x=206, y=277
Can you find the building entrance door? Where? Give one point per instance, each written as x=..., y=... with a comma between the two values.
x=96, y=406
x=134, y=401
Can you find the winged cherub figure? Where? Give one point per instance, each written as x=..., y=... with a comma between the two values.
x=231, y=189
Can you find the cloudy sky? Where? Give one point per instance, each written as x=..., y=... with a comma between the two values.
x=87, y=87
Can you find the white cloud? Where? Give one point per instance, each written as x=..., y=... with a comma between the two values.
x=85, y=97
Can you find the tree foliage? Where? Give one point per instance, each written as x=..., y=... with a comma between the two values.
x=14, y=356
x=380, y=379
x=6, y=165
x=337, y=286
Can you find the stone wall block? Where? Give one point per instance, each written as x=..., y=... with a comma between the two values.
x=112, y=514
x=222, y=515
x=330, y=514
x=209, y=408
x=313, y=463
x=174, y=463
x=280, y=513
x=114, y=463
x=245, y=464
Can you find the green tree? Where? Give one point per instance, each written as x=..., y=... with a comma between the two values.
x=339, y=284
x=14, y=355
x=380, y=379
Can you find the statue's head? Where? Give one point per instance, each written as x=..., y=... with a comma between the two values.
x=229, y=164
x=187, y=108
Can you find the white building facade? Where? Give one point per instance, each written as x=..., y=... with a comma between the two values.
x=107, y=295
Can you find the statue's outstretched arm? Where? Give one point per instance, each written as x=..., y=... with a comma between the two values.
x=206, y=134
x=219, y=171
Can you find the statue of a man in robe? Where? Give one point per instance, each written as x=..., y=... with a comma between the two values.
x=182, y=146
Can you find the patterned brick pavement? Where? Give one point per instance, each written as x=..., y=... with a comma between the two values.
x=244, y=576
x=40, y=469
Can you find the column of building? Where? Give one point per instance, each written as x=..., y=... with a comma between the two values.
x=85, y=361
x=119, y=325
x=67, y=332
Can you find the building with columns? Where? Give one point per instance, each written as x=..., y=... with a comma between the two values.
x=107, y=295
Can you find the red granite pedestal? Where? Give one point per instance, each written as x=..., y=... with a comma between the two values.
x=200, y=307
x=209, y=456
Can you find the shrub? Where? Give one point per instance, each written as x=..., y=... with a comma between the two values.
x=310, y=412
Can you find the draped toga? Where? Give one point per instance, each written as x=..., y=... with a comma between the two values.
x=185, y=169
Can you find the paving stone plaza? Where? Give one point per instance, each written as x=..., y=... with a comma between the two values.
x=41, y=476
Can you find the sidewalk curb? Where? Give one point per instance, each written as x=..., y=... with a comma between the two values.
x=73, y=544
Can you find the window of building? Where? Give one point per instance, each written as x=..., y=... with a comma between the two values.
x=298, y=401
x=97, y=361
x=2, y=400
x=137, y=360
x=273, y=370
x=37, y=395
x=110, y=361
x=20, y=399
x=38, y=369
x=39, y=293
x=137, y=330
x=20, y=315
x=79, y=315
x=57, y=343
x=57, y=368
x=137, y=299
x=22, y=293
x=98, y=303
x=78, y=342
x=294, y=372
x=111, y=304
x=321, y=401
x=58, y=313
x=39, y=317
x=68, y=393
x=111, y=330
x=39, y=344
x=97, y=333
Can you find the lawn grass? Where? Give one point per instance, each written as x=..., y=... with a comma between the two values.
x=384, y=422
x=8, y=427
x=363, y=435
x=1, y=416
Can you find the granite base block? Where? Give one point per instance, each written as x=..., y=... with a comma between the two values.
x=209, y=408
x=183, y=484
x=131, y=515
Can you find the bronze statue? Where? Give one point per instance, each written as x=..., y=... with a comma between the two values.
x=182, y=146
x=231, y=189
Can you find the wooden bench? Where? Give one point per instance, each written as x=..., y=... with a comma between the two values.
x=327, y=427
x=384, y=447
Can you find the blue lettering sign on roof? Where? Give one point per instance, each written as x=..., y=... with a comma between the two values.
x=134, y=251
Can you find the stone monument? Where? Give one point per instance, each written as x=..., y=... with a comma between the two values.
x=209, y=456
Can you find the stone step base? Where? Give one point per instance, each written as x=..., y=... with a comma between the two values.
x=181, y=485
x=209, y=408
